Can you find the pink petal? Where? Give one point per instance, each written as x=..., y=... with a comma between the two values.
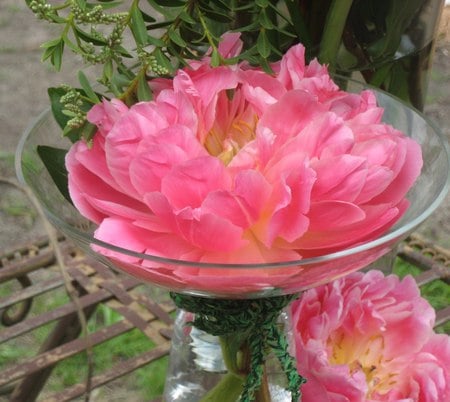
x=378, y=178
x=121, y=147
x=329, y=215
x=158, y=156
x=189, y=183
x=292, y=113
x=105, y=114
x=88, y=191
x=325, y=137
x=292, y=202
x=377, y=150
x=260, y=89
x=244, y=205
x=405, y=178
x=230, y=44
x=292, y=67
x=339, y=178
x=177, y=109
x=378, y=219
x=124, y=234
x=82, y=203
x=121, y=233
x=254, y=189
x=93, y=159
x=202, y=87
x=229, y=206
x=208, y=231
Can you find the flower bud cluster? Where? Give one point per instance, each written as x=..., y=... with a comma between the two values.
x=116, y=36
x=97, y=58
x=41, y=8
x=72, y=107
x=96, y=15
x=152, y=63
x=114, y=39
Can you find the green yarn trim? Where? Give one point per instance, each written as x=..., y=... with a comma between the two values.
x=254, y=323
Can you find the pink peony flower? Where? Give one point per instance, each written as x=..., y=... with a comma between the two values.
x=232, y=165
x=369, y=338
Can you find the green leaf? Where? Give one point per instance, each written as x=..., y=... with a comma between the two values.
x=56, y=58
x=215, y=58
x=50, y=43
x=54, y=162
x=263, y=44
x=147, y=18
x=108, y=70
x=265, y=66
x=176, y=38
x=137, y=25
x=170, y=3
x=265, y=21
x=81, y=3
x=184, y=16
x=95, y=40
x=120, y=80
x=57, y=107
x=215, y=15
x=87, y=87
x=54, y=50
x=123, y=52
x=162, y=60
x=87, y=130
x=61, y=117
x=143, y=90
x=223, y=4
x=57, y=19
x=262, y=3
x=155, y=41
x=158, y=25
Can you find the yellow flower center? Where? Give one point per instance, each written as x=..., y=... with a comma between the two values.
x=367, y=356
x=225, y=142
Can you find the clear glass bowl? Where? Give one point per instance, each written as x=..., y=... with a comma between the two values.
x=243, y=280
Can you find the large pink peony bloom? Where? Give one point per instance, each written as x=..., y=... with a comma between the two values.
x=368, y=338
x=233, y=165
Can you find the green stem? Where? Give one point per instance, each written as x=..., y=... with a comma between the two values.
x=230, y=353
x=334, y=28
x=227, y=390
x=263, y=393
x=237, y=359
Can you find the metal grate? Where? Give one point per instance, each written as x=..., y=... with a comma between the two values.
x=33, y=267
x=30, y=272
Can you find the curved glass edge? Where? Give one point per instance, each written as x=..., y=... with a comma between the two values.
x=392, y=236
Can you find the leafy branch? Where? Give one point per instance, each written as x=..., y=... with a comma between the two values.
x=134, y=41
x=139, y=40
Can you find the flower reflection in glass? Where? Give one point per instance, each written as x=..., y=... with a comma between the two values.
x=231, y=164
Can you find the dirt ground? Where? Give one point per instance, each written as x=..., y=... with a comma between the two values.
x=23, y=84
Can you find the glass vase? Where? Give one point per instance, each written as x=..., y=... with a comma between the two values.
x=198, y=370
